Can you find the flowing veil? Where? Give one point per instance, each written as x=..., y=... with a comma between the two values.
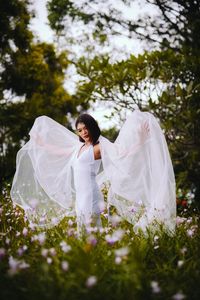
x=139, y=170
x=137, y=167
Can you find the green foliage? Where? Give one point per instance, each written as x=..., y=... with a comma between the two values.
x=56, y=264
x=31, y=82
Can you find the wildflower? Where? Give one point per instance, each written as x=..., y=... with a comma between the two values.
x=183, y=250
x=180, y=220
x=122, y=252
x=2, y=252
x=52, y=251
x=20, y=251
x=190, y=232
x=105, y=215
x=118, y=260
x=189, y=220
x=65, y=248
x=44, y=252
x=155, y=287
x=49, y=260
x=7, y=241
x=24, y=265
x=115, y=220
x=92, y=240
x=70, y=231
x=156, y=247
x=70, y=222
x=101, y=230
x=91, y=281
x=180, y=263
x=64, y=265
x=116, y=236
x=25, y=231
x=32, y=225
x=15, y=265
x=55, y=221
x=178, y=296
x=155, y=238
x=41, y=237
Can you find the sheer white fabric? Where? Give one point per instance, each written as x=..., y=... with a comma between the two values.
x=137, y=167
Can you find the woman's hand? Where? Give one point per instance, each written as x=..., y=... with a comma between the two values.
x=144, y=131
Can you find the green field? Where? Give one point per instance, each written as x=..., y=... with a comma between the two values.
x=112, y=264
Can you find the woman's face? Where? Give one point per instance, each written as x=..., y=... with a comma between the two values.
x=83, y=132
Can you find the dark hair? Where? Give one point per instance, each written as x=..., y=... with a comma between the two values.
x=91, y=125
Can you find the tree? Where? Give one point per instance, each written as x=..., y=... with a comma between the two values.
x=31, y=82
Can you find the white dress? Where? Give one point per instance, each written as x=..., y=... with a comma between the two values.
x=88, y=196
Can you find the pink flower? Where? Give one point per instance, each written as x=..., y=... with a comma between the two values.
x=25, y=231
x=64, y=265
x=91, y=281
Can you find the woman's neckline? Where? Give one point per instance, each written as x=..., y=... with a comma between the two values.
x=79, y=151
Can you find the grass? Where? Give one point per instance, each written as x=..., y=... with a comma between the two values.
x=55, y=264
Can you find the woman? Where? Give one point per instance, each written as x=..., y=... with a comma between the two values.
x=58, y=175
x=86, y=165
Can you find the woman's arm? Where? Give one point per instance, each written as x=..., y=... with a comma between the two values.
x=97, y=152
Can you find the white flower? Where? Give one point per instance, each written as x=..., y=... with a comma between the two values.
x=118, y=260
x=156, y=247
x=7, y=241
x=116, y=236
x=155, y=287
x=155, y=238
x=91, y=281
x=49, y=260
x=65, y=265
x=41, y=238
x=183, y=250
x=122, y=251
x=178, y=296
x=180, y=263
x=70, y=222
x=115, y=220
x=65, y=248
